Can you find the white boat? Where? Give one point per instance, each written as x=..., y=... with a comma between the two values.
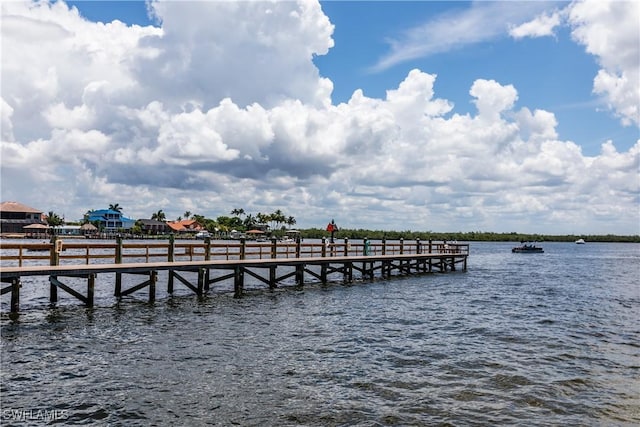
x=580, y=242
x=291, y=236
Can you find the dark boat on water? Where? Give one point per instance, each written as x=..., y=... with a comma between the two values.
x=528, y=248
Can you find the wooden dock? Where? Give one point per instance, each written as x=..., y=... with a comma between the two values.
x=218, y=262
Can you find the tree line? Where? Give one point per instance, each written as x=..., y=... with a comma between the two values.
x=277, y=222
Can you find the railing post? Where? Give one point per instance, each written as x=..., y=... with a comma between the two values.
x=298, y=247
x=118, y=260
x=430, y=245
x=172, y=248
x=324, y=247
x=346, y=246
x=54, y=259
x=207, y=248
x=272, y=269
x=170, y=257
x=418, y=247
x=274, y=247
x=119, y=249
x=207, y=257
x=401, y=246
x=243, y=247
x=384, y=246
x=366, y=247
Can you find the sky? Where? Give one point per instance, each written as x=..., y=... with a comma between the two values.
x=424, y=116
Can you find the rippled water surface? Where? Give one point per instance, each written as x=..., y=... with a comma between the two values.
x=517, y=339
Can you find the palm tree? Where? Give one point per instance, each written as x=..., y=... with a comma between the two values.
x=159, y=216
x=277, y=218
x=53, y=219
x=237, y=212
x=250, y=221
x=86, y=216
x=290, y=221
x=187, y=215
x=116, y=207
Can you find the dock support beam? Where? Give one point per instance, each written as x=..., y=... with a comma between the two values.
x=238, y=281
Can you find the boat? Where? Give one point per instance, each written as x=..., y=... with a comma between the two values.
x=528, y=248
x=291, y=236
x=580, y=242
x=203, y=235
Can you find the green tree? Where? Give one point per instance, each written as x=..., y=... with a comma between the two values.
x=85, y=218
x=237, y=212
x=137, y=228
x=115, y=207
x=159, y=216
x=54, y=220
x=250, y=222
x=187, y=215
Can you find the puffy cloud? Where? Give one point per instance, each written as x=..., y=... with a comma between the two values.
x=609, y=30
x=222, y=107
x=541, y=26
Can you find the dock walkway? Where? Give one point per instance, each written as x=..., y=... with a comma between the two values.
x=218, y=262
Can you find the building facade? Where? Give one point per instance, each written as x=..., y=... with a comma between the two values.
x=15, y=216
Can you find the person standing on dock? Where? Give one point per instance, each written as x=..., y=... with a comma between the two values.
x=332, y=228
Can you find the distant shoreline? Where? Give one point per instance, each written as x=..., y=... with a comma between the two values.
x=411, y=235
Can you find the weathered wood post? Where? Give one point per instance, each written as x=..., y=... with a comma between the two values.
x=171, y=250
x=299, y=267
x=153, y=278
x=201, y=280
x=365, y=252
x=300, y=274
x=118, y=260
x=385, y=264
x=420, y=264
x=346, y=246
x=323, y=267
x=238, y=281
x=54, y=259
x=207, y=257
x=401, y=262
x=243, y=247
x=91, y=283
x=170, y=257
x=272, y=269
x=15, y=294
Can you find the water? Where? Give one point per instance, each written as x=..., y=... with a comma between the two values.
x=535, y=339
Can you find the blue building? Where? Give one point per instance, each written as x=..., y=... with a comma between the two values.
x=110, y=220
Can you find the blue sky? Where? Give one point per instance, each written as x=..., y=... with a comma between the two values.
x=498, y=116
x=551, y=73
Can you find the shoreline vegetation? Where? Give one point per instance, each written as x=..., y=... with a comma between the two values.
x=361, y=234
x=276, y=225
x=473, y=236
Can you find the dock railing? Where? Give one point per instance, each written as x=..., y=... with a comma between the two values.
x=61, y=251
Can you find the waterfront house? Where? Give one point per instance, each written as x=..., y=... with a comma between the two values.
x=15, y=216
x=185, y=226
x=152, y=226
x=110, y=220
